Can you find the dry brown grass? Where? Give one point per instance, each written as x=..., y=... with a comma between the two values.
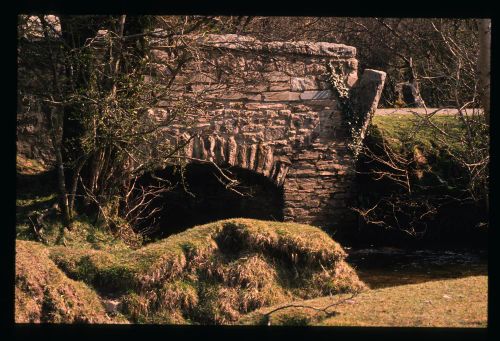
x=214, y=273
x=29, y=166
x=445, y=303
x=43, y=293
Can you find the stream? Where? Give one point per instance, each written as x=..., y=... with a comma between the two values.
x=386, y=267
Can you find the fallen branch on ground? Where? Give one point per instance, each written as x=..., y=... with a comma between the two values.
x=267, y=316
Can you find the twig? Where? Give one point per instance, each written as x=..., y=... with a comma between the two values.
x=318, y=310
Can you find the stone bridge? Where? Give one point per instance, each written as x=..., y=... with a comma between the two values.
x=269, y=108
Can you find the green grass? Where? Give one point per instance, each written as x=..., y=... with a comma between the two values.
x=444, y=303
x=411, y=136
x=36, y=200
x=432, y=151
x=400, y=129
x=209, y=274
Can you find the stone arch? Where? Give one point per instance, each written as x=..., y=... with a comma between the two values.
x=198, y=197
x=226, y=150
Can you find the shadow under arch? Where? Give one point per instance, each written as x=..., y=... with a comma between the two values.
x=203, y=198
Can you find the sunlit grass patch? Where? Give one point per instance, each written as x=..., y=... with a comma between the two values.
x=445, y=303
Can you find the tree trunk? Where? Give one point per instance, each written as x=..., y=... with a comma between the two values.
x=484, y=64
x=50, y=113
x=74, y=185
x=61, y=182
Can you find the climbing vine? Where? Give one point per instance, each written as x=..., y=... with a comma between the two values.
x=351, y=117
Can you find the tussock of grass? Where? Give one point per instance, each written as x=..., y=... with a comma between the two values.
x=214, y=273
x=43, y=293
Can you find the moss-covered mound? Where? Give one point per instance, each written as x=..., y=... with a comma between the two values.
x=43, y=293
x=214, y=273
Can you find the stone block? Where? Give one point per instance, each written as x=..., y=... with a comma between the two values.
x=242, y=157
x=257, y=106
x=256, y=88
x=308, y=155
x=281, y=171
x=315, y=69
x=253, y=137
x=271, y=113
x=283, y=96
x=317, y=95
x=299, y=107
x=235, y=96
x=277, y=76
x=252, y=156
x=274, y=133
x=279, y=86
x=326, y=173
x=232, y=151
x=352, y=78
x=304, y=83
x=303, y=173
x=310, y=204
x=219, y=150
x=321, y=104
x=203, y=78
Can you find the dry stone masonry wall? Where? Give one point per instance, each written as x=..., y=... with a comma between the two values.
x=270, y=108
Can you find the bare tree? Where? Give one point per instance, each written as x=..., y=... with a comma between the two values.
x=105, y=86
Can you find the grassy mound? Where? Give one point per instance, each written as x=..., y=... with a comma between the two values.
x=458, y=303
x=414, y=184
x=214, y=273
x=43, y=293
x=429, y=150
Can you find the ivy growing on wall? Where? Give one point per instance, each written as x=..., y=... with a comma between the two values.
x=351, y=117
